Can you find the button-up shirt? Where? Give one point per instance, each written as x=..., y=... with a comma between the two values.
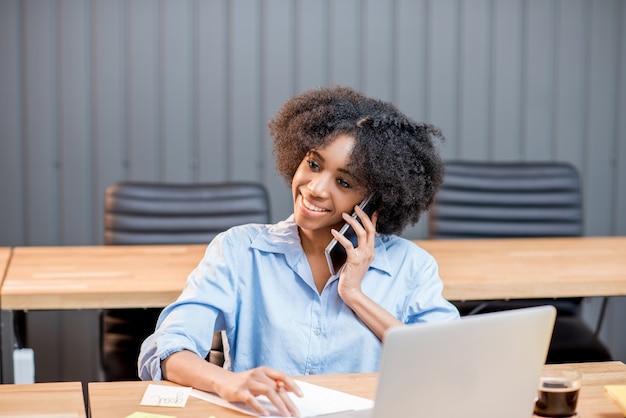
x=255, y=283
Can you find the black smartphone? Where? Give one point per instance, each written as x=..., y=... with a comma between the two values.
x=335, y=252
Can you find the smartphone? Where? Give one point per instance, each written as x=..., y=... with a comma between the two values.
x=336, y=255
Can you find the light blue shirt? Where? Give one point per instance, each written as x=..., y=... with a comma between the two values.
x=255, y=282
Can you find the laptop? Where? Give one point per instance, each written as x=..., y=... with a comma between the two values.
x=481, y=366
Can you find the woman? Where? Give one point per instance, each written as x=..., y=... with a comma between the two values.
x=270, y=287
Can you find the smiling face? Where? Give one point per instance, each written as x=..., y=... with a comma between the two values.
x=323, y=189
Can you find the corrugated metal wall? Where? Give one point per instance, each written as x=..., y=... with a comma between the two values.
x=92, y=92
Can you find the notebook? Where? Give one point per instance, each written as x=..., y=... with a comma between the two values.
x=481, y=366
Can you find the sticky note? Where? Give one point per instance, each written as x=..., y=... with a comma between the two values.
x=161, y=395
x=617, y=393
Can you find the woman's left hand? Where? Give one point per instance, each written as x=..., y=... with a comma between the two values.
x=358, y=259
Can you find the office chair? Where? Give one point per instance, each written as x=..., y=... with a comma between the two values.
x=519, y=200
x=161, y=213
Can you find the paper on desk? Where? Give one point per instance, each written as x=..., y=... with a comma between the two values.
x=161, y=395
x=317, y=400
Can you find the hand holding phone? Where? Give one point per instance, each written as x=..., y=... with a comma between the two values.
x=336, y=255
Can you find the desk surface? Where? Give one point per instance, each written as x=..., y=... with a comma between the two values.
x=93, y=277
x=120, y=399
x=108, y=399
x=61, y=400
x=530, y=267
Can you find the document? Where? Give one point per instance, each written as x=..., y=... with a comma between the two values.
x=317, y=400
x=160, y=395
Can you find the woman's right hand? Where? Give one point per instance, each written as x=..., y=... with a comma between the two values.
x=188, y=369
x=246, y=386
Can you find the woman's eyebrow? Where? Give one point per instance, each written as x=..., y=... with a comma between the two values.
x=345, y=171
x=319, y=157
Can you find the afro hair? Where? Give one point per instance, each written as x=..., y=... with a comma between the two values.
x=394, y=157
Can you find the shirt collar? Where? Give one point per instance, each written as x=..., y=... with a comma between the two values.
x=283, y=238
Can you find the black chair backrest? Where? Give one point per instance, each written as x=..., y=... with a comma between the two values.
x=492, y=200
x=519, y=200
x=162, y=213
x=139, y=213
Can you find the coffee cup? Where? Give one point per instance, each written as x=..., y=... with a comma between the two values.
x=558, y=393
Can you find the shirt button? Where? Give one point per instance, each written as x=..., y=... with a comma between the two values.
x=316, y=331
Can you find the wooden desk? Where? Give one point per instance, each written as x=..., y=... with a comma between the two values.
x=95, y=277
x=119, y=399
x=592, y=402
x=61, y=400
x=530, y=267
x=90, y=277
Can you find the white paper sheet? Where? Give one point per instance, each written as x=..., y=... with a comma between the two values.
x=317, y=401
x=161, y=395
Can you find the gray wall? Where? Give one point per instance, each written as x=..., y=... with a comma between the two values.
x=92, y=92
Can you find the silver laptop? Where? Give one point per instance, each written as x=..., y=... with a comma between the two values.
x=481, y=366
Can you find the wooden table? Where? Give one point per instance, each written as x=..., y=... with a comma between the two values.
x=95, y=277
x=90, y=277
x=119, y=399
x=592, y=402
x=530, y=267
x=98, y=277
x=58, y=400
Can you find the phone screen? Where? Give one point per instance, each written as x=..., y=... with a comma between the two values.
x=335, y=252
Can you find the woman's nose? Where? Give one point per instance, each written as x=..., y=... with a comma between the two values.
x=319, y=186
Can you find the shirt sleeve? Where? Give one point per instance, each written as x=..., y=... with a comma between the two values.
x=426, y=302
x=189, y=322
